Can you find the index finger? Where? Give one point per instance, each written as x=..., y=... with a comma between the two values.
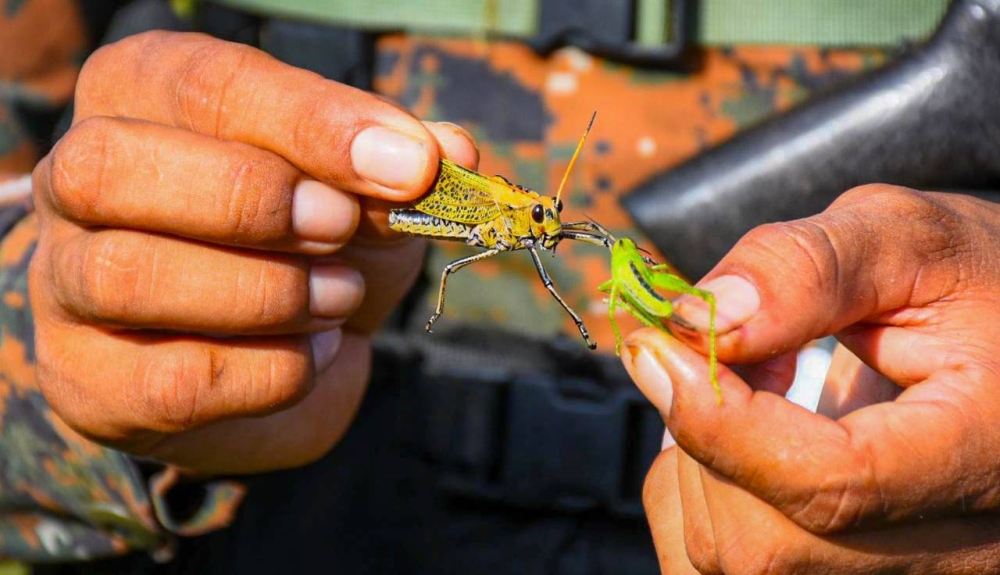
x=345, y=137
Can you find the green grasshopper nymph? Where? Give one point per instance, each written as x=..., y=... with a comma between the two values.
x=498, y=216
x=633, y=284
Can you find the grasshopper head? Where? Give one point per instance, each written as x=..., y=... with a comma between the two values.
x=545, y=222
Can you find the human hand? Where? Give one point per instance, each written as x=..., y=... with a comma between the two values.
x=899, y=472
x=213, y=251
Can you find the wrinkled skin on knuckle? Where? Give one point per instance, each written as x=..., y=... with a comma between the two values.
x=171, y=387
x=329, y=106
x=89, y=82
x=804, y=246
x=271, y=293
x=94, y=87
x=79, y=168
x=101, y=276
x=286, y=381
x=200, y=90
x=185, y=388
x=259, y=204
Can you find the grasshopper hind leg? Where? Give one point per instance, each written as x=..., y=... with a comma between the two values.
x=547, y=282
x=448, y=270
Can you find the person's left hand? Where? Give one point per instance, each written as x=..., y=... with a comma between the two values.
x=898, y=472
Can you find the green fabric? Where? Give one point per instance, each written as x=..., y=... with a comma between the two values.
x=818, y=22
x=516, y=18
x=652, y=22
x=720, y=22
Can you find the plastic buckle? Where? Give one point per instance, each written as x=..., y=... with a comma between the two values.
x=609, y=30
x=567, y=451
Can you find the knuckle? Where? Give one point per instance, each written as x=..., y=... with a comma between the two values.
x=170, y=387
x=804, y=245
x=191, y=386
x=881, y=194
x=201, y=83
x=108, y=60
x=80, y=162
x=260, y=198
x=286, y=380
x=96, y=66
x=103, y=274
x=280, y=295
x=313, y=125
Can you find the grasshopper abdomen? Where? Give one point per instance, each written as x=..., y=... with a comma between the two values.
x=418, y=223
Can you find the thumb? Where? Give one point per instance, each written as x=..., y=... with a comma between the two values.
x=877, y=248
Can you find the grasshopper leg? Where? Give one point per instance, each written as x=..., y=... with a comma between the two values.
x=450, y=269
x=588, y=237
x=673, y=283
x=612, y=303
x=592, y=227
x=547, y=282
x=590, y=232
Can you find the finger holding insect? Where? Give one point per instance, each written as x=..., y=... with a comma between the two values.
x=345, y=137
x=454, y=143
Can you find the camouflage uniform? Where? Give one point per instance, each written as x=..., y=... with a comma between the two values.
x=65, y=498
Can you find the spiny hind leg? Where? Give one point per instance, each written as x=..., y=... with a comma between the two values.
x=547, y=282
x=450, y=269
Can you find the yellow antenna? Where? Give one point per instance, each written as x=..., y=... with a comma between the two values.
x=572, y=160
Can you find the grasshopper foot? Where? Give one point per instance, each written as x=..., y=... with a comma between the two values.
x=430, y=323
x=586, y=337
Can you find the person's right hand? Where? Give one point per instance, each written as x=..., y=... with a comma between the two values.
x=191, y=296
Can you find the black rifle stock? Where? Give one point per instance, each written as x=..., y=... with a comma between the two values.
x=929, y=120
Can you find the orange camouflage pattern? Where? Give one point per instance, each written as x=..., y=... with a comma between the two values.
x=527, y=114
x=76, y=499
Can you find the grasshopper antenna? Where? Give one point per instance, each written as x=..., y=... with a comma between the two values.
x=572, y=161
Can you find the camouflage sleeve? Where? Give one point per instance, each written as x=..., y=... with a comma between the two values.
x=63, y=497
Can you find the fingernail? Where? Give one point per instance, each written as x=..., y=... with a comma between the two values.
x=651, y=377
x=390, y=158
x=459, y=130
x=736, y=299
x=334, y=290
x=325, y=345
x=323, y=214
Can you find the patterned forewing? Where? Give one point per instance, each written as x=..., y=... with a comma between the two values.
x=463, y=196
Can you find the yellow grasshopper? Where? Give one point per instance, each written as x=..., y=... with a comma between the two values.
x=494, y=214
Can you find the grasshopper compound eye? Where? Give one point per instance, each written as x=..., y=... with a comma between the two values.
x=559, y=205
x=538, y=213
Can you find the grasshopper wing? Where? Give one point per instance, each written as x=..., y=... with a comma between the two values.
x=463, y=196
